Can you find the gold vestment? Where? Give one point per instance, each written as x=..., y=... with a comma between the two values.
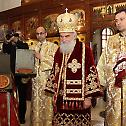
x=41, y=103
x=115, y=45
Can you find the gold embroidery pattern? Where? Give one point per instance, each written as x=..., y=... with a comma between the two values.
x=73, y=91
x=50, y=80
x=50, y=84
x=76, y=82
x=74, y=65
x=56, y=69
x=83, y=70
x=91, y=80
x=77, y=119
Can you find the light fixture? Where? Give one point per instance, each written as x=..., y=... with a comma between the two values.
x=103, y=11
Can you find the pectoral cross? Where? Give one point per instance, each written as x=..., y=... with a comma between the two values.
x=74, y=65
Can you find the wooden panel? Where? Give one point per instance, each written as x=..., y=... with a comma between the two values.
x=35, y=13
x=16, y=23
x=31, y=23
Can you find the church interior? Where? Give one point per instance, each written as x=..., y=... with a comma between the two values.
x=95, y=25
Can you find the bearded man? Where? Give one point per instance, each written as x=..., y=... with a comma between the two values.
x=74, y=79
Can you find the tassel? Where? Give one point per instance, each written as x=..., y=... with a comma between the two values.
x=77, y=104
x=63, y=105
x=66, y=105
x=80, y=105
x=73, y=105
x=83, y=104
x=70, y=104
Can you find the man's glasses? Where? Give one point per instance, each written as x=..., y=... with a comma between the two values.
x=119, y=20
x=41, y=33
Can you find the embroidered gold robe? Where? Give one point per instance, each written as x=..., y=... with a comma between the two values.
x=115, y=45
x=41, y=103
x=74, y=77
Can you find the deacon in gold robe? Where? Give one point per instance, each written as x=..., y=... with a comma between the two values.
x=74, y=79
x=41, y=102
x=111, y=68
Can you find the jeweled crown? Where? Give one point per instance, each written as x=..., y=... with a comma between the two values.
x=67, y=22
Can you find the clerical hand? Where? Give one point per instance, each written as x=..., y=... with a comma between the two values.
x=87, y=103
x=37, y=55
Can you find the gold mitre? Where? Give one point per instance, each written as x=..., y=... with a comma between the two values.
x=67, y=22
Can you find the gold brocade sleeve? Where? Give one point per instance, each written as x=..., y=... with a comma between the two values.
x=102, y=70
x=47, y=60
x=107, y=60
x=50, y=83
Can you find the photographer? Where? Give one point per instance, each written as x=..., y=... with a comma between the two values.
x=12, y=43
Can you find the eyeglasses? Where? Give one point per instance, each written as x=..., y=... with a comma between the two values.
x=41, y=33
x=120, y=19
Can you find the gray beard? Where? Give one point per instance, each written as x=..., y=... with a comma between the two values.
x=67, y=47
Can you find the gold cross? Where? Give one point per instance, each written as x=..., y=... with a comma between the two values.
x=74, y=65
x=66, y=10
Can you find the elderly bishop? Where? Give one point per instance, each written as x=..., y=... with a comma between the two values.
x=74, y=80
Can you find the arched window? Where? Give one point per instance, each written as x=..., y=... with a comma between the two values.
x=106, y=33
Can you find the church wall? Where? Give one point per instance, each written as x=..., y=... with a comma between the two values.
x=44, y=12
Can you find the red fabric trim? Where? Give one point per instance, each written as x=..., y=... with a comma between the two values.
x=119, y=78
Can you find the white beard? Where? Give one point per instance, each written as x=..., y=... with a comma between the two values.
x=67, y=47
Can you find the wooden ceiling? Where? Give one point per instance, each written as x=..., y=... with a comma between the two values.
x=42, y=8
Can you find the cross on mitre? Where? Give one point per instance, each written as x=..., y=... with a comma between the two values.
x=66, y=10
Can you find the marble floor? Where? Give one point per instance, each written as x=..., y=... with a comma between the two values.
x=96, y=119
